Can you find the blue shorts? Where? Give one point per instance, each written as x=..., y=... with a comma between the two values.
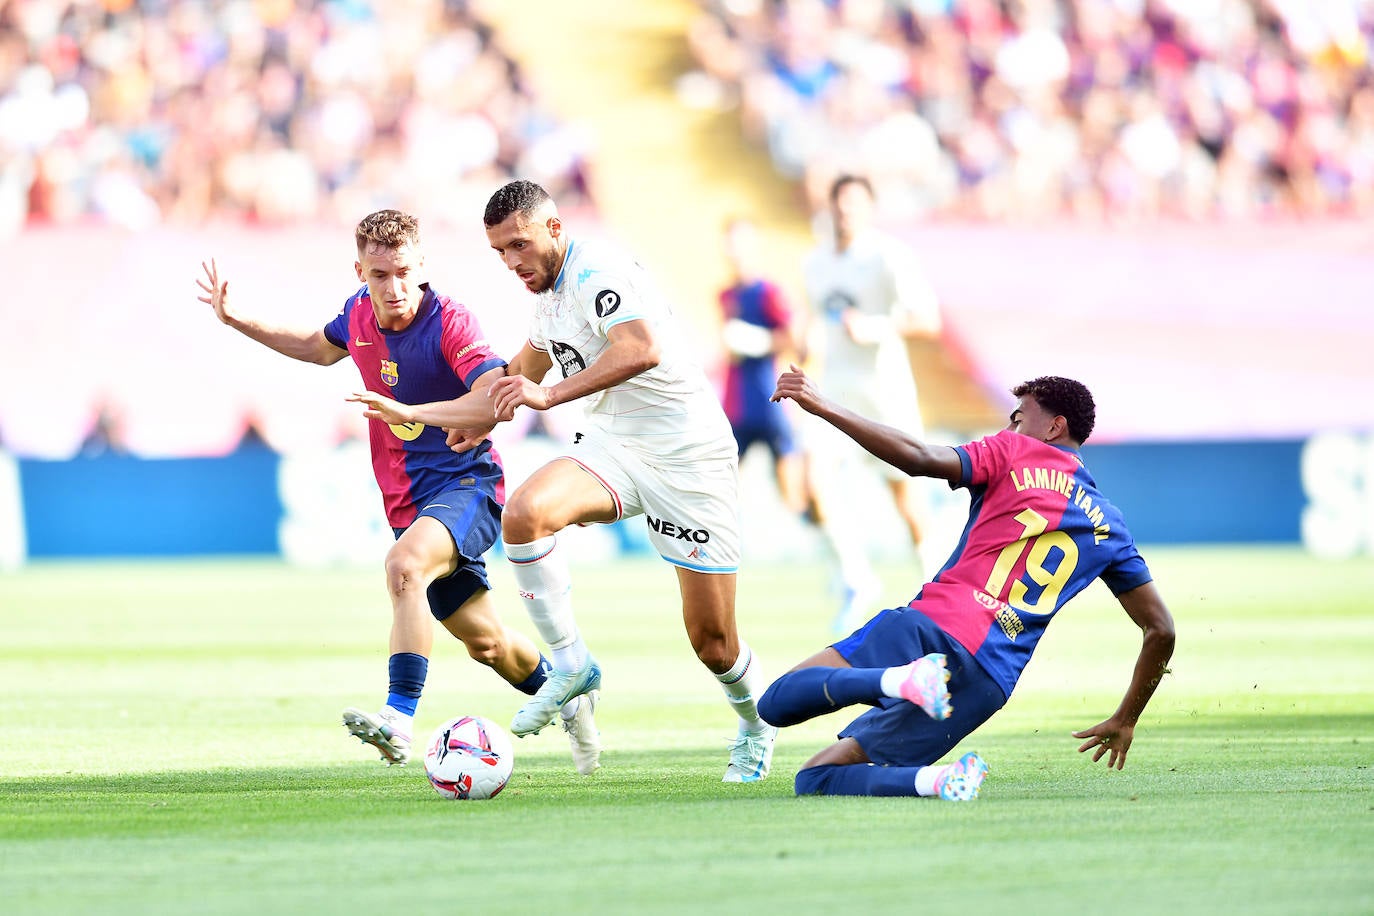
x=771, y=428
x=899, y=733
x=473, y=519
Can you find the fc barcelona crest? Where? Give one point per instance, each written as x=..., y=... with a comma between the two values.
x=389, y=372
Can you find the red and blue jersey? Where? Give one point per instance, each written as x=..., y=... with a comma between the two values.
x=1038, y=533
x=436, y=358
x=749, y=382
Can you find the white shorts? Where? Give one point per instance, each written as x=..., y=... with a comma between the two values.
x=692, y=511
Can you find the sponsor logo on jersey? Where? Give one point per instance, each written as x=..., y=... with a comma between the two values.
x=407, y=432
x=1006, y=617
x=699, y=554
x=835, y=302
x=359, y=342
x=671, y=529
x=607, y=301
x=389, y=373
x=569, y=360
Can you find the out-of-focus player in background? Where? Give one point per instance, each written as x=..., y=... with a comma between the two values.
x=655, y=442
x=1038, y=533
x=409, y=341
x=757, y=327
x=867, y=295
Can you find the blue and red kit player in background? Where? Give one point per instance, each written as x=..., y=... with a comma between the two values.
x=756, y=327
x=444, y=507
x=1038, y=533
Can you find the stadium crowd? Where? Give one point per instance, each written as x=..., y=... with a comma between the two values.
x=1013, y=109
x=140, y=112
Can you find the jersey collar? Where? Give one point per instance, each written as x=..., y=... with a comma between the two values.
x=567, y=256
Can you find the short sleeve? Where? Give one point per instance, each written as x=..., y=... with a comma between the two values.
x=336, y=332
x=1126, y=571
x=464, y=347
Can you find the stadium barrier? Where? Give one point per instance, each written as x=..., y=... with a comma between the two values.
x=320, y=508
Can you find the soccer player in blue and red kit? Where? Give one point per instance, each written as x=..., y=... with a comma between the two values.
x=444, y=507
x=756, y=326
x=1038, y=533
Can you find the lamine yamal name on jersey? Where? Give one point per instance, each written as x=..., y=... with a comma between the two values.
x=1064, y=483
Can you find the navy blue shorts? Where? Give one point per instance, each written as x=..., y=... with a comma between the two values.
x=473, y=519
x=899, y=733
x=772, y=429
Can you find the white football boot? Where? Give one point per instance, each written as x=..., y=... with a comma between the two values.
x=388, y=731
x=583, y=735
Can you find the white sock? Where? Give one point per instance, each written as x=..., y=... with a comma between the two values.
x=891, y=683
x=926, y=777
x=740, y=683
x=541, y=574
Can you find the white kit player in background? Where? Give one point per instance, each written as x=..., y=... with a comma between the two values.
x=655, y=442
x=867, y=296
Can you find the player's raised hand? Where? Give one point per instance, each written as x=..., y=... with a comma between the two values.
x=380, y=407
x=1107, y=737
x=217, y=292
x=795, y=385
x=514, y=390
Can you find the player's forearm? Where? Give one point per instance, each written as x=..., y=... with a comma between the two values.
x=1151, y=665
x=615, y=365
x=885, y=443
x=471, y=411
x=307, y=346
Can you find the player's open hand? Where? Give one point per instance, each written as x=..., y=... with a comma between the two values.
x=217, y=292
x=514, y=390
x=795, y=385
x=463, y=440
x=380, y=407
x=1110, y=737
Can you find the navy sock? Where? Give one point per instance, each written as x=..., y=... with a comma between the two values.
x=407, y=672
x=531, y=684
x=856, y=779
x=810, y=692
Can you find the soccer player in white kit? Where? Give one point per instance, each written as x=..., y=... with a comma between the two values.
x=655, y=443
x=867, y=295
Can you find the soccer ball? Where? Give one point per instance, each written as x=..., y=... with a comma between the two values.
x=469, y=757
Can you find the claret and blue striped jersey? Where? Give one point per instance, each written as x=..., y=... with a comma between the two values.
x=1038, y=533
x=436, y=358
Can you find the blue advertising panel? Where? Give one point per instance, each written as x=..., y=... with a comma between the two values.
x=120, y=506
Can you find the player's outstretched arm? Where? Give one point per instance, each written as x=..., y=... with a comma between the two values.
x=1146, y=607
x=470, y=413
x=308, y=346
x=902, y=451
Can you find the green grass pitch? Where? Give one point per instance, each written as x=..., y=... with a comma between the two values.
x=172, y=746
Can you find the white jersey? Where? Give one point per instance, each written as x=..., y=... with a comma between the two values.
x=878, y=276
x=667, y=413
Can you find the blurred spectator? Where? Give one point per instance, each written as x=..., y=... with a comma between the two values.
x=135, y=112
x=1036, y=108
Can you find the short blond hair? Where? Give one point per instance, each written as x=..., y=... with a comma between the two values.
x=390, y=229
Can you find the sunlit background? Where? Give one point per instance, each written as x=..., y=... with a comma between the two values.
x=1171, y=200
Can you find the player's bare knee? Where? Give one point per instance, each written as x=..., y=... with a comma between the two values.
x=524, y=519
x=403, y=571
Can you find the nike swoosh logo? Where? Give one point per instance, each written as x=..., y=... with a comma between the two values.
x=362, y=343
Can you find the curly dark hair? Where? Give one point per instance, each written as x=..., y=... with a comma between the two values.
x=1065, y=398
x=389, y=229
x=519, y=196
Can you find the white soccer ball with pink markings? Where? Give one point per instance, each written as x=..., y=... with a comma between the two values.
x=469, y=758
